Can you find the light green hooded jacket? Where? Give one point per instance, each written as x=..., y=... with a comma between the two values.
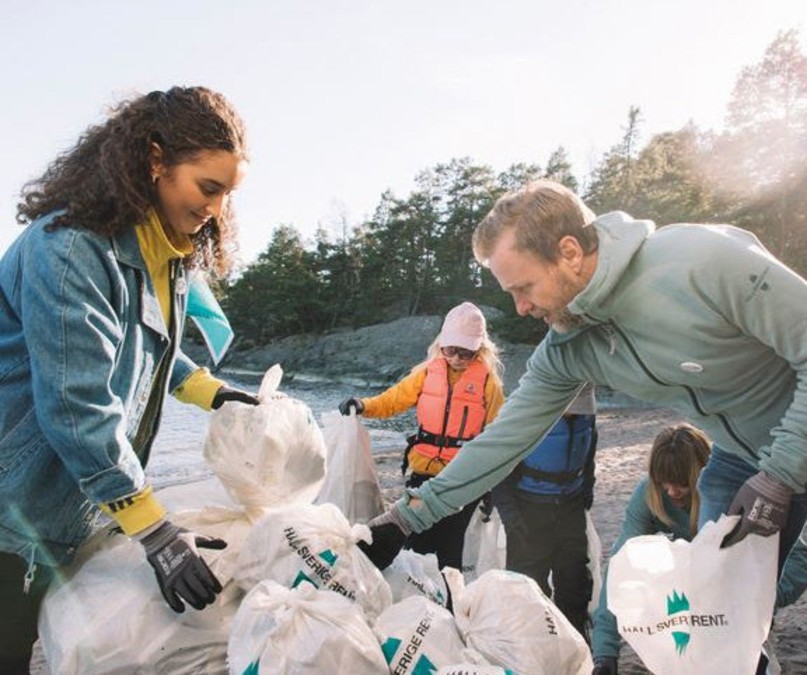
x=698, y=318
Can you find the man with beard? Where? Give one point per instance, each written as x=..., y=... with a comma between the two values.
x=698, y=318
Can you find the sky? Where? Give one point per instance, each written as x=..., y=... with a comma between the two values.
x=344, y=99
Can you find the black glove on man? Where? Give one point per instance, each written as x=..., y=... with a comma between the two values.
x=605, y=665
x=389, y=531
x=226, y=393
x=181, y=572
x=763, y=502
x=486, y=506
x=506, y=501
x=354, y=403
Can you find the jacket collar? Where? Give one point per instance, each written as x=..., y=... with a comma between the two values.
x=127, y=248
x=127, y=245
x=620, y=239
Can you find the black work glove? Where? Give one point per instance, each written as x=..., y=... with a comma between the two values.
x=763, y=502
x=486, y=506
x=506, y=501
x=605, y=665
x=354, y=403
x=389, y=531
x=181, y=572
x=225, y=394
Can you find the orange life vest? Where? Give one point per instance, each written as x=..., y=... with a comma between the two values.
x=449, y=416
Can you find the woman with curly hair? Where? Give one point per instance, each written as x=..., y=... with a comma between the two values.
x=93, y=296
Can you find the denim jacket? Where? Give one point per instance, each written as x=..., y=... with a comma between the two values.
x=82, y=338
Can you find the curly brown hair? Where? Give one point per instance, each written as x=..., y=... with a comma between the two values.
x=103, y=183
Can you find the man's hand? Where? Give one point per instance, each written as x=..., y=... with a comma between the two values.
x=226, y=393
x=605, y=665
x=763, y=502
x=354, y=403
x=486, y=506
x=181, y=572
x=389, y=531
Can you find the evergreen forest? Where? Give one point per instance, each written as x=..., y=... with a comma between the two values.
x=413, y=256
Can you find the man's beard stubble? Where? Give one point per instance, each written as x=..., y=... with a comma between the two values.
x=566, y=321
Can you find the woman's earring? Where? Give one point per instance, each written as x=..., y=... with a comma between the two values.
x=154, y=178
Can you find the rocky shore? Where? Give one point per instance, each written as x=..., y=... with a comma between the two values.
x=372, y=356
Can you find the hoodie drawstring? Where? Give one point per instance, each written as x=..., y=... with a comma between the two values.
x=31, y=571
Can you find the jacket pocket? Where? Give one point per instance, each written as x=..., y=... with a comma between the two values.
x=21, y=440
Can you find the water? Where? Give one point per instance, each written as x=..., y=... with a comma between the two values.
x=176, y=456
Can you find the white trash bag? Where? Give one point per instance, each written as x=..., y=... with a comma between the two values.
x=269, y=454
x=594, y=563
x=418, y=636
x=351, y=481
x=301, y=631
x=485, y=544
x=507, y=619
x=109, y=616
x=414, y=573
x=314, y=544
x=473, y=669
x=693, y=607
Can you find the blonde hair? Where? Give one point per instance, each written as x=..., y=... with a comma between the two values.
x=541, y=214
x=488, y=354
x=677, y=457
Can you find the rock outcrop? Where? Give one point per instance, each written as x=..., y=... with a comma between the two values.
x=377, y=355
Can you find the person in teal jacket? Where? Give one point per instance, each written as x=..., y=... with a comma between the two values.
x=698, y=318
x=93, y=297
x=667, y=502
x=793, y=581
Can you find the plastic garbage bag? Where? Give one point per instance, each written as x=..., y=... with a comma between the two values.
x=351, y=481
x=108, y=615
x=485, y=544
x=693, y=607
x=594, y=563
x=301, y=631
x=418, y=636
x=314, y=544
x=416, y=574
x=507, y=618
x=269, y=454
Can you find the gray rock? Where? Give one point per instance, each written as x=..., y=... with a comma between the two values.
x=377, y=355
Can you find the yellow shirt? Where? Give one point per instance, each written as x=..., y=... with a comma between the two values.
x=158, y=251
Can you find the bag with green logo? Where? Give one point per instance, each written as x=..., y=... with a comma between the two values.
x=301, y=630
x=693, y=607
x=418, y=636
x=315, y=544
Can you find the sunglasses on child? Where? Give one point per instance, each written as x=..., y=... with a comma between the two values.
x=464, y=354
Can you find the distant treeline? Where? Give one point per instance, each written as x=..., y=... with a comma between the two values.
x=414, y=255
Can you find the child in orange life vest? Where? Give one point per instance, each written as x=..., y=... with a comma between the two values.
x=457, y=390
